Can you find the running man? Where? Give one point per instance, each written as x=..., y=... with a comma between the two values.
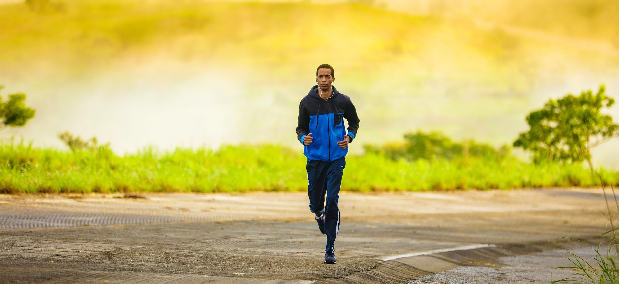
x=322, y=131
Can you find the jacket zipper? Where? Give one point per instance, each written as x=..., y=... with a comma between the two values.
x=318, y=116
x=329, y=131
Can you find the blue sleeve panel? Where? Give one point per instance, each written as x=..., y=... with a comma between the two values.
x=352, y=136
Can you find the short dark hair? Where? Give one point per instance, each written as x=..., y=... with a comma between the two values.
x=328, y=67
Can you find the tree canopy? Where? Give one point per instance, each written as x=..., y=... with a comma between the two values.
x=14, y=112
x=566, y=129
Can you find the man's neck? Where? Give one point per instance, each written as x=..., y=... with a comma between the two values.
x=325, y=94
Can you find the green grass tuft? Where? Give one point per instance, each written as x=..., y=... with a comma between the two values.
x=244, y=168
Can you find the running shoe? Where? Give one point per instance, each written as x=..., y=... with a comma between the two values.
x=320, y=219
x=330, y=256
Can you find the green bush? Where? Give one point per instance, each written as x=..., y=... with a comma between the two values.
x=436, y=145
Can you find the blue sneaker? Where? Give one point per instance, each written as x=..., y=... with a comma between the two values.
x=330, y=256
x=320, y=219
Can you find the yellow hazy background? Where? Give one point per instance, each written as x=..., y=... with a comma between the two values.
x=206, y=73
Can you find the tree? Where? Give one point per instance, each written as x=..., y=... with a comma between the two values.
x=76, y=143
x=14, y=112
x=565, y=130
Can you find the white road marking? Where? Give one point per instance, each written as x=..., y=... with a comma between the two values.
x=475, y=246
x=289, y=282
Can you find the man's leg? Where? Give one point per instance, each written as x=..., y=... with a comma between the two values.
x=316, y=189
x=332, y=211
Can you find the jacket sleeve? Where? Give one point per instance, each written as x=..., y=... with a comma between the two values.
x=350, y=113
x=303, y=123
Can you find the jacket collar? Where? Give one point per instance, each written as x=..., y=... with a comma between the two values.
x=314, y=92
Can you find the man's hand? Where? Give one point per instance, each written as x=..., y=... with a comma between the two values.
x=307, y=140
x=344, y=144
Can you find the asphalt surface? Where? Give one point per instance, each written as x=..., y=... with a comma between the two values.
x=512, y=236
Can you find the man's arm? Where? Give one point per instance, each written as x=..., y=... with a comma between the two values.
x=350, y=113
x=302, y=123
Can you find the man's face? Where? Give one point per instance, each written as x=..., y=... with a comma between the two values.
x=324, y=79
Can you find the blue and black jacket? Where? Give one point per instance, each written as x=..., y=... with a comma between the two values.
x=325, y=120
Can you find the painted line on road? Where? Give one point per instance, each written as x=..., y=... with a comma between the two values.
x=476, y=246
x=289, y=282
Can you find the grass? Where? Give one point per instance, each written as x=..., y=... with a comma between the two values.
x=604, y=267
x=243, y=168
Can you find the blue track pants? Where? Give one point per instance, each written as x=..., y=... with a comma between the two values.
x=324, y=179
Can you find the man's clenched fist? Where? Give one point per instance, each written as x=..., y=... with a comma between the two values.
x=307, y=140
x=344, y=143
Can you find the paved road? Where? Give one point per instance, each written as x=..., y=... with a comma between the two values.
x=272, y=238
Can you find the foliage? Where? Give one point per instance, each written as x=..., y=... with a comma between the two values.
x=27, y=169
x=566, y=129
x=14, y=111
x=604, y=269
x=436, y=145
x=76, y=143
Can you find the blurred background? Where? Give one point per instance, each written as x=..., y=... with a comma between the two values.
x=206, y=73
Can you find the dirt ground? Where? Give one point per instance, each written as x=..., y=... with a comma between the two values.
x=423, y=237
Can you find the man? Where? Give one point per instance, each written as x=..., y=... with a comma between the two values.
x=322, y=131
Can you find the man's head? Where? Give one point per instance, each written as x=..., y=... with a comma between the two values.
x=325, y=75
